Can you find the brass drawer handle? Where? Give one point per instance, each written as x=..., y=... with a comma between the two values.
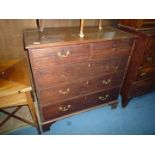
x=89, y=65
x=114, y=48
x=143, y=74
x=87, y=82
x=64, y=54
x=103, y=98
x=115, y=68
x=140, y=67
x=65, y=108
x=64, y=92
x=63, y=76
x=149, y=59
x=2, y=73
x=106, y=82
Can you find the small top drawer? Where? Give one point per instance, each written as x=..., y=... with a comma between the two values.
x=48, y=57
x=119, y=44
x=107, y=50
x=41, y=58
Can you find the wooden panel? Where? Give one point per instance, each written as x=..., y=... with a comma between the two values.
x=60, y=74
x=53, y=60
x=136, y=59
x=151, y=45
x=9, y=88
x=80, y=87
x=149, y=60
x=148, y=20
x=61, y=36
x=138, y=23
x=142, y=87
x=148, y=23
x=17, y=72
x=109, y=50
x=64, y=108
x=7, y=64
x=145, y=73
x=41, y=58
x=13, y=100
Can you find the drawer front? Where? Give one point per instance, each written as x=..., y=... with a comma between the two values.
x=118, y=44
x=146, y=72
x=68, y=107
x=112, y=49
x=151, y=45
x=148, y=23
x=49, y=57
x=142, y=87
x=69, y=73
x=84, y=86
x=149, y=60
x=41, y=58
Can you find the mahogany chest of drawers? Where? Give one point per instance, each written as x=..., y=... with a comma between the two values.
x=140, y=77
x=73, y=74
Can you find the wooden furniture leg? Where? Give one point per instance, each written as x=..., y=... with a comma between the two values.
x=15, y=116
x=114, y=106
x=125, y=101
x=46, y=127
x=32, y=110
x=5, y=120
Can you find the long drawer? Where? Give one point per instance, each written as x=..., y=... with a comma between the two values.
x=68, y=73
x=84, y=86
x=68, y=107
x=47, y=57
x=149, y=60
x=142, y=87
x=146, y=72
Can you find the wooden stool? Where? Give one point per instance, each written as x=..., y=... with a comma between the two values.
x=16, y=94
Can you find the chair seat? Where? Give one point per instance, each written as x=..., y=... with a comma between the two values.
x=10, y=88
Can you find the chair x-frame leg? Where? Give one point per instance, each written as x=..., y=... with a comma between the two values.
x=12, y=114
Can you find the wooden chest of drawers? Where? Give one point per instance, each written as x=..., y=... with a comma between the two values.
x=73, y=74
x=140, y=77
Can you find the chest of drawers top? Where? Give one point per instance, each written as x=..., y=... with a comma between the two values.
x=69, y=35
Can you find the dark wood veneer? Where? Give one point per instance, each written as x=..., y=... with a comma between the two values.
x=73, y=74
x=67, y=107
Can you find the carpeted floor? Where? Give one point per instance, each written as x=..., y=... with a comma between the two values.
x=137, y=118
